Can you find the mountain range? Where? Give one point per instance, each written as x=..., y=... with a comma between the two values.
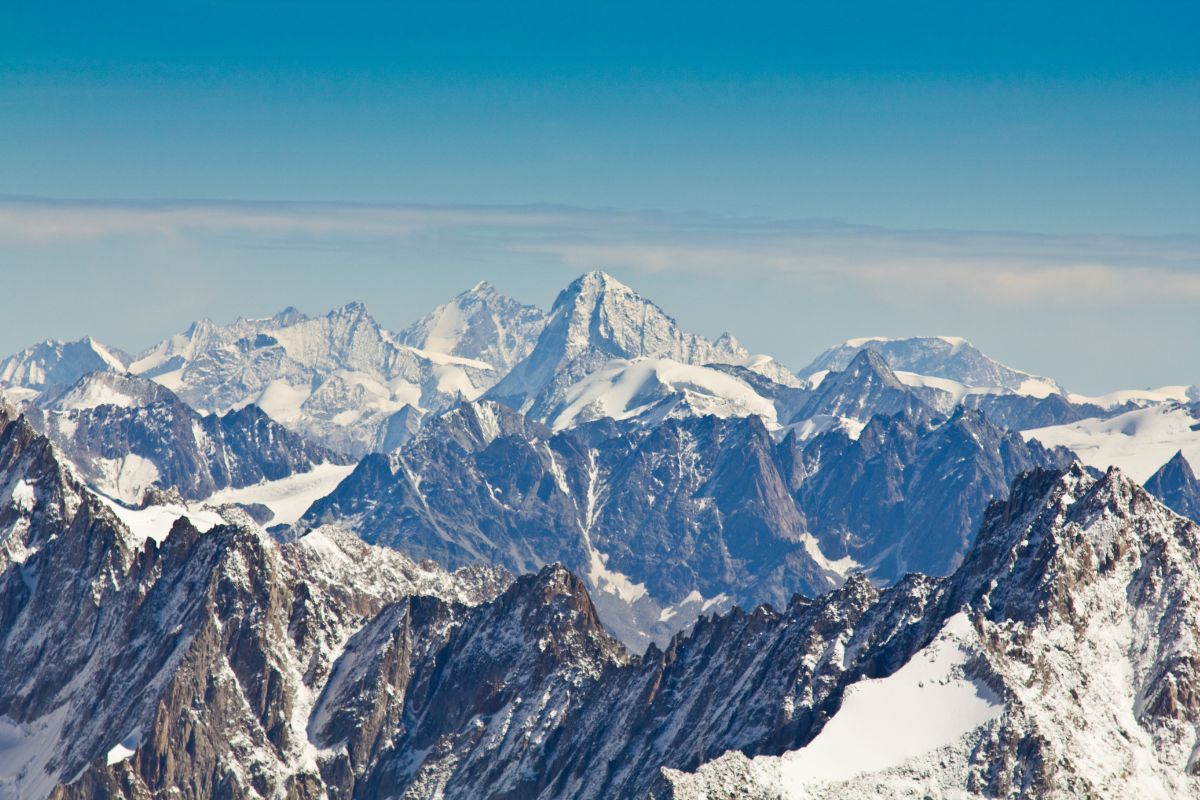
x=585, y=553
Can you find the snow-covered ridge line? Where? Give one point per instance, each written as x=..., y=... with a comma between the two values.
x=1138, y=441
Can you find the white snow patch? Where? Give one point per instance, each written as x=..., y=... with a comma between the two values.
x=816, y=378
x=173, y=380
x=288, y=498
x=117, y=754
x=281, y=401
x=23, y=496
x=820, y=423
x=27, y=752
x=623, y=389
x=126, y=478
x=453, y=379
x=155, y=522
x=123, y=749
x=404, y=393
x=1138, y=442
x=448, y=327
x=842, y=566
x=1037, y=388
x=95, y=393
x=445, y=359
x=952, y=387
x=925, y=705
x=611, y=581
x=1163, y=394
x=693, y=606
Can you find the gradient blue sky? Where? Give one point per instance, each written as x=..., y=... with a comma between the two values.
x=1023, y=174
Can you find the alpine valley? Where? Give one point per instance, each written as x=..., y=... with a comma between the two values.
x=580, y=552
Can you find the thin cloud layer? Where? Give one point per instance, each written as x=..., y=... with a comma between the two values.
x=1012, y=268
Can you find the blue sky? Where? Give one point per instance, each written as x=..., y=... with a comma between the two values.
x=1015, y=173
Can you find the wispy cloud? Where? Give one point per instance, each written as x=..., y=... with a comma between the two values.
x=1016, y=268
x=40, y=221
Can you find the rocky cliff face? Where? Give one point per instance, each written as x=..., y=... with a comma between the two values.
x=692, y=514
x=130, y=666
x=338, y=379
x=125, y=435
x=1080, y=635
x=593, y=321
x=480, y=324
x=1176, y=485
x=909, y=493
x=659, y=521
x=225, y=664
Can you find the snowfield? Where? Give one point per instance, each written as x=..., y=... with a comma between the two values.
x=154, y=522
x=288, y=497
x=1138, y=442
x=629, y=388
x=927, y=705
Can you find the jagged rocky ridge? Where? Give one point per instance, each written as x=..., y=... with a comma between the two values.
x=125, y=435
x=663, y=522
x=660, y=521
x=225, y=664
x=54, y=365
x=341, y=379
x=596, y=321
x=1082, y=604
x=1177, y=486
x=908, y=493
x=602, y=351
x=948, y=371
x=946, y=357
x=191, y=663
x=480, y=324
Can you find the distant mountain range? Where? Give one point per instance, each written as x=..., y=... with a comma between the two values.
x=585, y=553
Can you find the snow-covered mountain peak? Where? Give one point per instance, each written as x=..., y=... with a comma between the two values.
x=598, y=311
x=353, y=310
x=55, y=365
x=1175, y=483
x=865, y=387
x=728, y=343
x=654, y=389
x=592, y=284
x=480, y=324
x=946, y=357
x=1061, y=529
x=1075, y=617
x=475, y=425
x=289, y=316
x=110, y=388
x=867, y=364
x=597, y=319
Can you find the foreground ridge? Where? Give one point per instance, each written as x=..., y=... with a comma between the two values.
x=222, y=663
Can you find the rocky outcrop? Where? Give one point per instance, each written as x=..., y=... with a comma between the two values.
x=1176, y=485
x=125, y=435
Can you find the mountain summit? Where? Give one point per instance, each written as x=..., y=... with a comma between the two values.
x=947, y=357
x=480, y=324
x=1176, y=485
x=595, y=320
